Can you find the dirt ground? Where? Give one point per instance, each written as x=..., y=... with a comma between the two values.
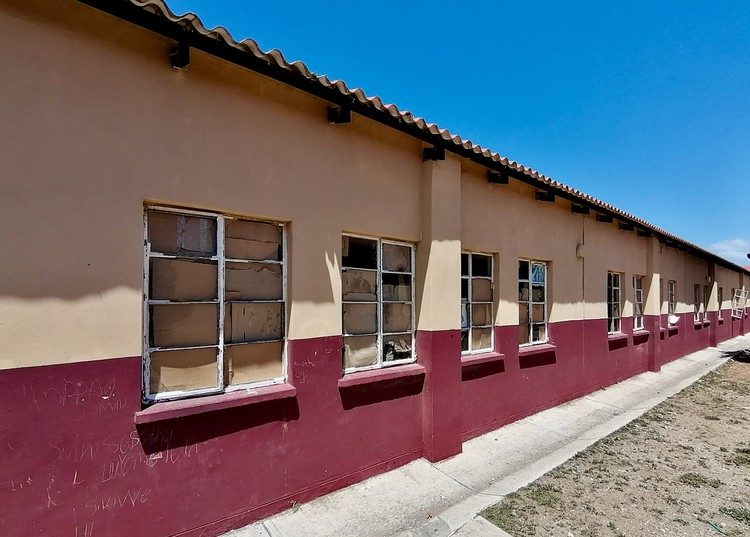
x=683, y=468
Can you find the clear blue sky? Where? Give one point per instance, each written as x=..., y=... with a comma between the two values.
x=642, y=104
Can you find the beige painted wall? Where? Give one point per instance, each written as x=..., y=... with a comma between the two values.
x=96, y=122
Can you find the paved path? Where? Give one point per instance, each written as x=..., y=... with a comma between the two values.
x=441, y=499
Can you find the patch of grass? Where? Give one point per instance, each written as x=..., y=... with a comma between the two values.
x=681, y=522
x=697, y=480
x=712, y=418
x=741, y=457
x=545, y=495
x=510, y=516
x=740, y=514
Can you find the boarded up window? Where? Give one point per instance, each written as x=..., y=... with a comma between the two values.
x=214, y=290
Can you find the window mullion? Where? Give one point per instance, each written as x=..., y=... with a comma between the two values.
x=378, y=258
x=146, y=365
x=221, y=297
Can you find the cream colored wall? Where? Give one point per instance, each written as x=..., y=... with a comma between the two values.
x=99, y=122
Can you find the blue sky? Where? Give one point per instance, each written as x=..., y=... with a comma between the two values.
x=642, y=104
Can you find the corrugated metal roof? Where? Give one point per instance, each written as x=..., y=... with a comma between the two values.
x=405, y=120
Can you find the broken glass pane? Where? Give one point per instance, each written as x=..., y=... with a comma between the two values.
x=464, y=264
x=182, y=279
x=179, y=234
x=464, y=315
x=481, y=290
x=481, y=339
x=464, y=340
x=539, y=332
x=523, y=291
x=252, y=362
x=258, y=281
x=181, y=370
x=360, y=351
x=396, y=258
x=523, y=313
x=481, y=265
x=397, y=287
x=253, y=321
x=464, y=289
x=537, y=313
x=523, y=270
x=481, y=314
x=183, y=325
x=253, y=240
x=357, y=252
x=396, y=317
x=523, y=333
x=359, y=285
x=360, y=318
x=396, y=347
x=537, y=293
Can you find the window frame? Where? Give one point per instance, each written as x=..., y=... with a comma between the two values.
x=530, y=302
x=380, y=363
x=469, y=302
x=638, y=301
x=671, y=297
x=610, y=288
x=697, y=303
x=720, y=297
x=221, y=261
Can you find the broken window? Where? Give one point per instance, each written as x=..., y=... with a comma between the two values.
x=377, y=291
x=637, y=302
x=614, y=303
x=739, y=302
x=720, y=300
x=697, y=303
x=532, y=302
x=477, y=320
x=671, y=297
x=214, y=293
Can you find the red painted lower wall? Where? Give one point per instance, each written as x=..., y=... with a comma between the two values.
x=74, y=463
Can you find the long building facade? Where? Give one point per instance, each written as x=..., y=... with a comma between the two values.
x=230, y=285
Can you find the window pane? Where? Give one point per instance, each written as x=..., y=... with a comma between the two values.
x=253, y=240
x=523, y=333
x=523, y=270
x=481, y=339
x=182, y=370
x=396, y=317
x=464, y=315
x=396, y=347
x=523, y=291
x=481, y=265
x=396, y=258
x=539, y=332
x=360, y=318
x=523, y=313
x=615, y=296
x=464, y=340
x=615, y=310
x=255, y=321
x=397, y=287
x=177, y=234
x=184, y=325
x=537, y=273
x=481, y=290
x=181, y=279
x=481, y=314
x=359, y=285
x=359, y=253
x=464, y=264
x=258, y=281
x=637, y=309
x=252, y=362
x=360, y=351
x=537, y=313
x=537, y=293
x=464, y=289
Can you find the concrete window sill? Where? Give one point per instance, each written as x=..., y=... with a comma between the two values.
x=536, y=349
x=469, y=360
x=170, y=410
x=673, y=328
x=379, y=375
x=706, y=323
x=616, y=336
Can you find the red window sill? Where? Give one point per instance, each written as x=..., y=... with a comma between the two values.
x=484, y=358
x=673, y=328
x=706, y=323
x=169, y=410
x=377, y=375
x=536, y=349
x=617, y=336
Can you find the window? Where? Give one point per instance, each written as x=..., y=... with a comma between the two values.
x=614, y=304
x=214, y=303
x=377, y=286
x=697, y=303
x=476, y=302
x=532, y=302
x=637, y=302
x=721, y=299
x=704, y=304
x=671, y=297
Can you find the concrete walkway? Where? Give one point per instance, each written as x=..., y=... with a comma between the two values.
x=441, y=499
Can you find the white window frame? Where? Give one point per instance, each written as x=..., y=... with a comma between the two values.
x=221, y=260
x=720, y=297
x=697, y=303
x=616, y=320
x=531, y=302
x=380, y=364
x=739, y=302
x=638, y=300
x=469, y=303
x=671, y=297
